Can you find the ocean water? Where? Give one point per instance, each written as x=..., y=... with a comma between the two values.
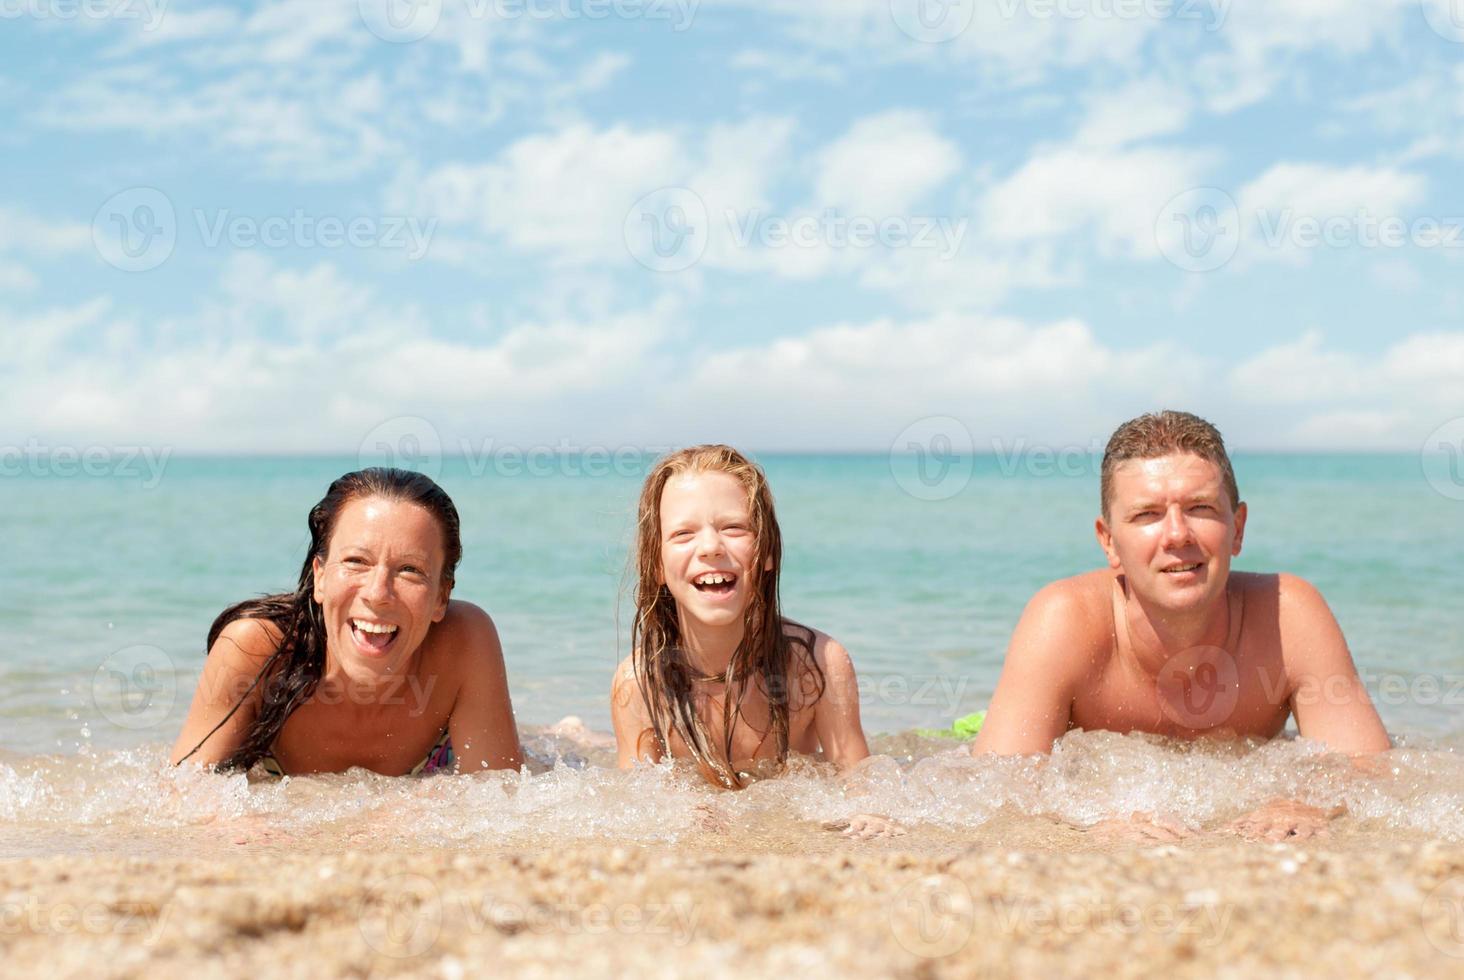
x=112, y=582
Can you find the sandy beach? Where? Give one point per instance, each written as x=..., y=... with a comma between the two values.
x=1019, y=897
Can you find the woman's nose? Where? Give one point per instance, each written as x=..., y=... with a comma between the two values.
x=378, y=585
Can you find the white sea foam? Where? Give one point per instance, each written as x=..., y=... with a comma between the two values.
x=570, y=794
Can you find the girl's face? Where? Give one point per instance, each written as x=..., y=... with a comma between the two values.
x=380, y=585
x=707, y=546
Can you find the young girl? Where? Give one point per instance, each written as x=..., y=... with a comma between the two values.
x=368, y=662
x=716, y=674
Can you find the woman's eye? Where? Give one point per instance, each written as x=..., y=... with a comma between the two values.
x=412, y=570
x=353, y=561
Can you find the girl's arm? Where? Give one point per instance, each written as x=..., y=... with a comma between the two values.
x=836, y=719
x=635, y=740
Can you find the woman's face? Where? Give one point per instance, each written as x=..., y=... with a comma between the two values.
x=380, y=585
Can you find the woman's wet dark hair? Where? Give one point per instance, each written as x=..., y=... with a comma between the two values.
x=293, y=671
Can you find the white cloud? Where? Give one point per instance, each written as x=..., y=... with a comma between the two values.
x=858, y=385
x=885, y=165
x=1334, y=398
x=1289, y=209
x=1115, y=194
x=1135, y=111
x=234, y=375
x=23, y=232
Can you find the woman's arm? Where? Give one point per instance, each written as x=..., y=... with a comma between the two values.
x=482, y=728
x=232, y=665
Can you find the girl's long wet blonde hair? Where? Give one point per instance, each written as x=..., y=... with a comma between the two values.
x=767, y=653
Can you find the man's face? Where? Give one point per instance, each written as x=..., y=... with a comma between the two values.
x=1171, y=531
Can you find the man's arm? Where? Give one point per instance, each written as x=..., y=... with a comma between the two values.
x=481, y=726
x=1033, y=701
x=1328, y=698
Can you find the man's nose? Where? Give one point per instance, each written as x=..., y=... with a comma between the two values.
x=1176, y=526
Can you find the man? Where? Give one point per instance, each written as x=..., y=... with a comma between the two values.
x=1167, y=639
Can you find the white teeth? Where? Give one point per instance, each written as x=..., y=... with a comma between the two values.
x=713, y=578
x=365, y=627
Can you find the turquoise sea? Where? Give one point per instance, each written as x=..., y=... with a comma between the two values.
x=112, y=580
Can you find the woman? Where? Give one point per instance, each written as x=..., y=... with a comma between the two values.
x=369, y=662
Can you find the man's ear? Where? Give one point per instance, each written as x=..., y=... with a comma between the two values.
x=315, y=566
x=1105, y=541
x=1240, y=516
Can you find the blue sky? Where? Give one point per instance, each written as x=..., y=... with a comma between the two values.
x=278, y=225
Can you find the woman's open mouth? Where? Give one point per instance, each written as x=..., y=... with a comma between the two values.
x=371, y=638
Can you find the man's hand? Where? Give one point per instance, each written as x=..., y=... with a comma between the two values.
x=1282, y=820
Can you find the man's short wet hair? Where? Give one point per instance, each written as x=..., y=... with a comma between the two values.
x=1158, y=434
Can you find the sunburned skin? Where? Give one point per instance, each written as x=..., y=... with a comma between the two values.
x=1167, y=640
x=403, y=661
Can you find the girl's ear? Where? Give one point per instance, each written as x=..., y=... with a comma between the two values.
x=768, y=563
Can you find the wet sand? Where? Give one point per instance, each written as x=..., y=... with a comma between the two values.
x=1020, y=897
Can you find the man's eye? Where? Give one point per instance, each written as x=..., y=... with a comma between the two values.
x=412, y=570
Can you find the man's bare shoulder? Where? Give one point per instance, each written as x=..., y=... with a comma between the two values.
x=1083, y=603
